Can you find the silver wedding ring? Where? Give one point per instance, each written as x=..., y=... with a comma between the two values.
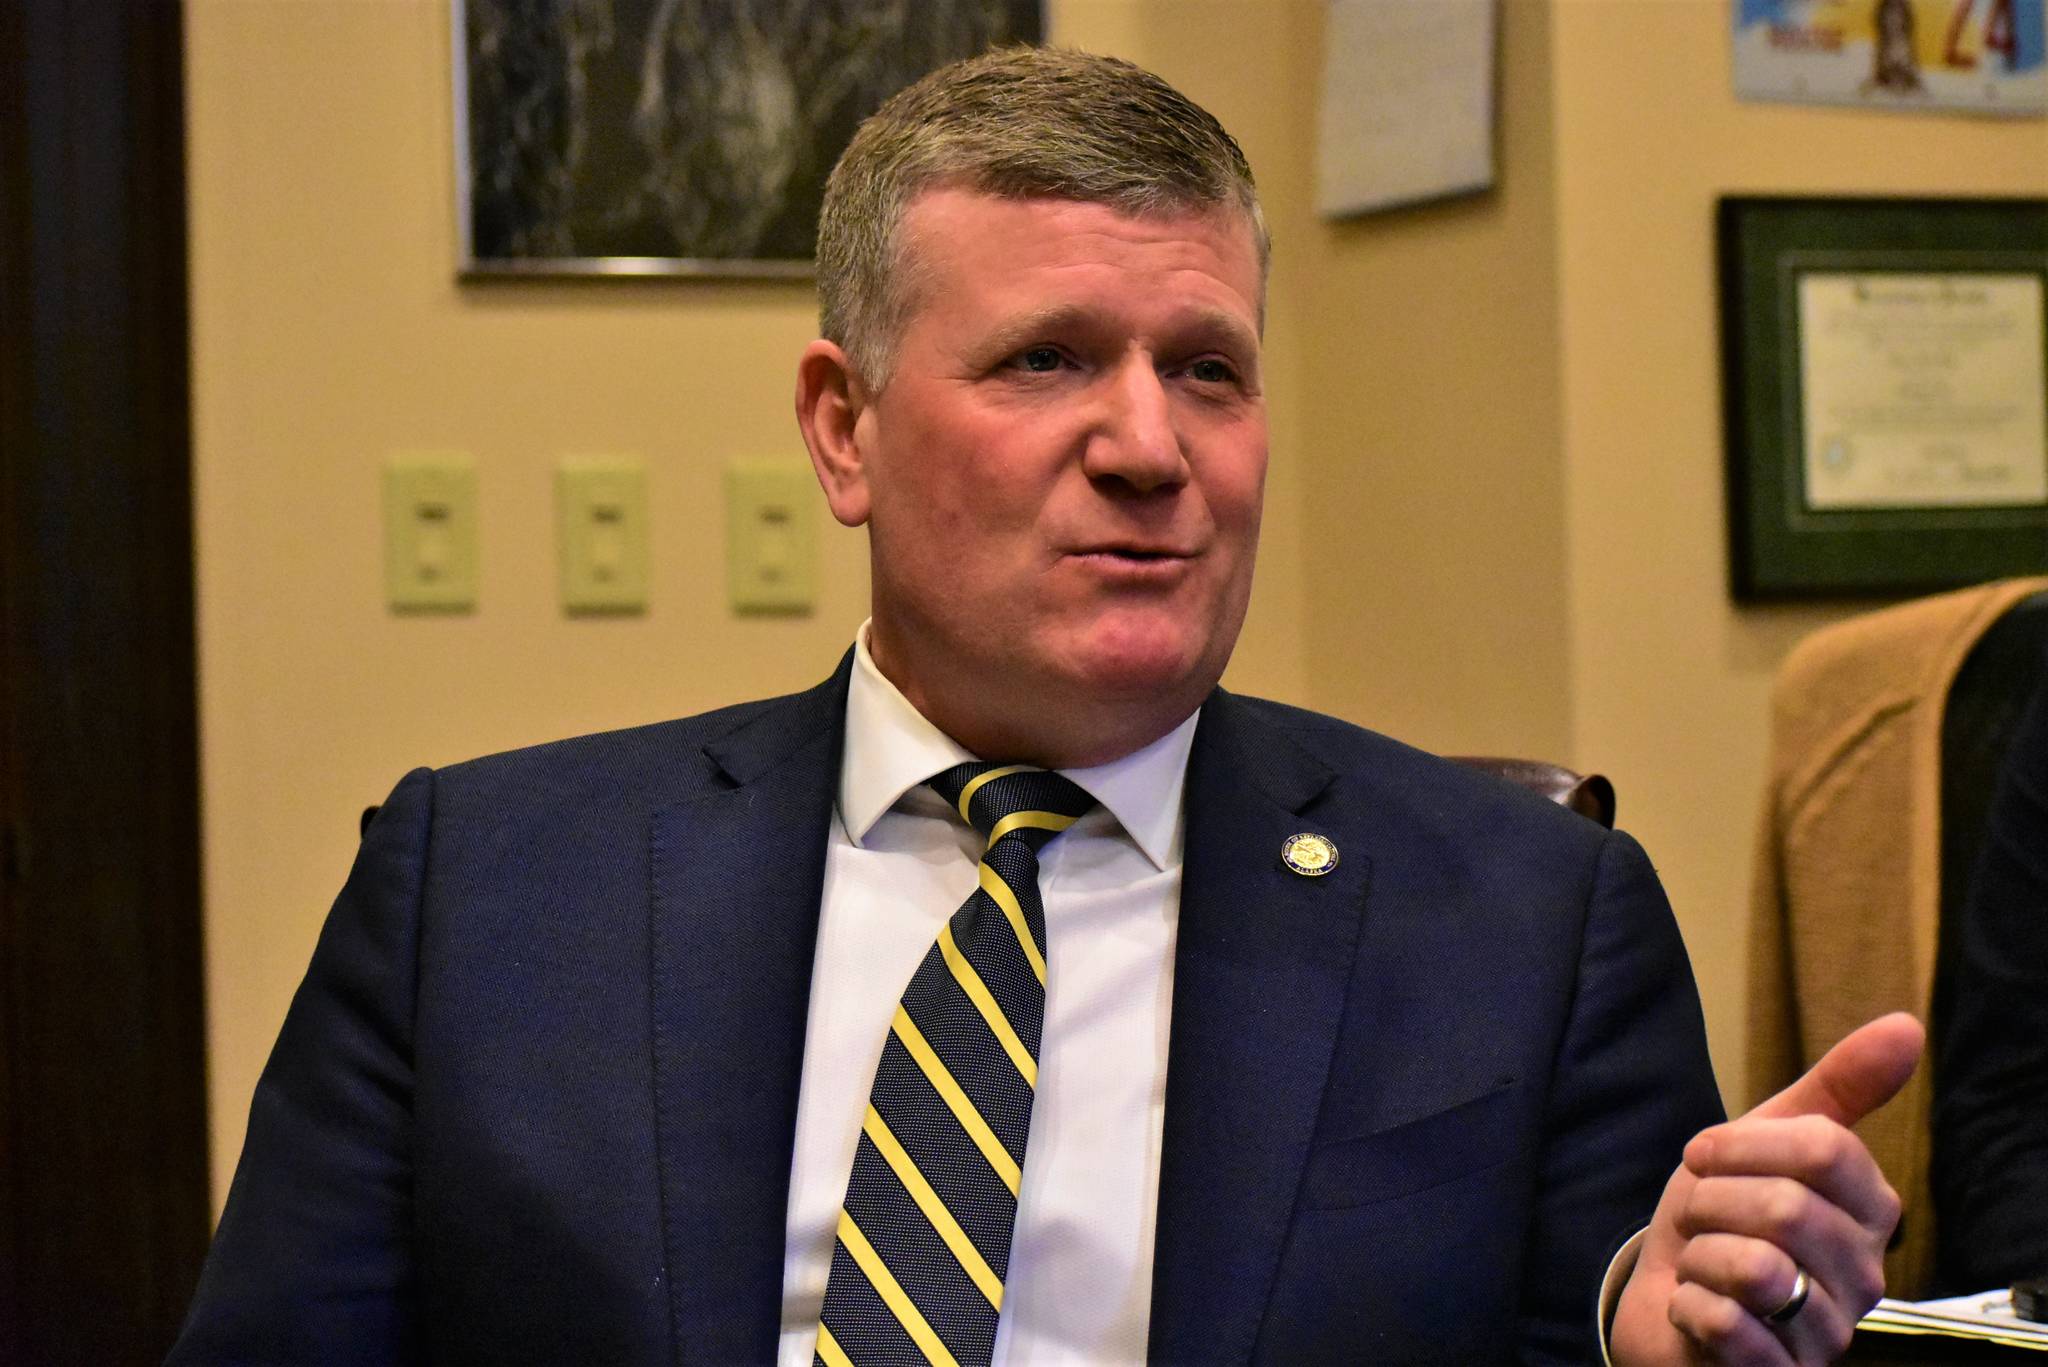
x=1802, y=1286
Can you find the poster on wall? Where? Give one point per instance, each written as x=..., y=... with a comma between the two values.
x=1984, y=56
x=679, y=137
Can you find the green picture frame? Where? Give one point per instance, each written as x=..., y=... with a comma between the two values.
x=1884, y=363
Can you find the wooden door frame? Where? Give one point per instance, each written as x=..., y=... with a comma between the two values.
x=104, y=1201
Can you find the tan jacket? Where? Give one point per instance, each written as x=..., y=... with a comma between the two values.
x=1848, y=879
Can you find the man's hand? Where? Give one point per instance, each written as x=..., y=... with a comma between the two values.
x=1785, y=1188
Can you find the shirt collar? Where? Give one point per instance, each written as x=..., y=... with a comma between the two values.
x=891, y=749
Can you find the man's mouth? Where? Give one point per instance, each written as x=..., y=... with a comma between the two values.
x=1136, y=554
x=1133, y=565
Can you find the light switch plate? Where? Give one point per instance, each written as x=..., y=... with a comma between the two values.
x=430, y=532
x=601, y=517
x=771, y=535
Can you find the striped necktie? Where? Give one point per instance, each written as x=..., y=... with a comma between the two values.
x=924, y=1236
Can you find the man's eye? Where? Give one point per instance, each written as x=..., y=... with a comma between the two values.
x=1212, y=371
x=1039, y=358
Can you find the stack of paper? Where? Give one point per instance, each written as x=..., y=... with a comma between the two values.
x=1987, y=1316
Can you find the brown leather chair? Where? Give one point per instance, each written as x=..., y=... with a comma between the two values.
x=1590, y=795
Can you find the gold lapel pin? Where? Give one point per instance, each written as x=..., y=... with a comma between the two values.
x=1311, y=856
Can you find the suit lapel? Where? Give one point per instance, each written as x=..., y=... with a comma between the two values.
x=1261, y=971
x=738, y=872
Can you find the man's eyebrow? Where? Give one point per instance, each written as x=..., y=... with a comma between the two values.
x=1019, y=329
x=1221, y=322
x=1200, y=322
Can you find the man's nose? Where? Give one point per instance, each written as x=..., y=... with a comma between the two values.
x=1136, y=441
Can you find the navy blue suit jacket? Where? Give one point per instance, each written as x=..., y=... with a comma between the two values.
x=535, y=1099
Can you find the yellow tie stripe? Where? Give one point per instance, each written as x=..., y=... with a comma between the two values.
x=1044, y=821
x=892, y=1294
x=963, y=1110
x=976, y=784
x=829, y=1349
x=971, y=1261
x=985, y=1002
x=999, y=893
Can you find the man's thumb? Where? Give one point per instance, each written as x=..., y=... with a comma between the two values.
x=1856, y=1076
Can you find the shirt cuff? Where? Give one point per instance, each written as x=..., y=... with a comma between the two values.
x=1613, y=1284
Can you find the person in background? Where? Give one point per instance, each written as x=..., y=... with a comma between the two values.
x=1990, y=1158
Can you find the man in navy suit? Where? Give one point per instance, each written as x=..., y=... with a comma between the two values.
x=1347, y=1054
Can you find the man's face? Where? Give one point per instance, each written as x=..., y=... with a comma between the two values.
x=1064, y=472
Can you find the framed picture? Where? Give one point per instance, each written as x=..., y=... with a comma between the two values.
x=1885, y=386
x=679, y=137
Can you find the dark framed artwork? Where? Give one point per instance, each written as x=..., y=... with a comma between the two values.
x=1885, y=390
x=679, y=137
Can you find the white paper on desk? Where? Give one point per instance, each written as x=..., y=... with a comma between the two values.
x=1985, y=1315
x=1407, y=109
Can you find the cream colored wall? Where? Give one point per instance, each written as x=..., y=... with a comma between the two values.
x=328, y=331
x=1670, y=680
x=1432, y=515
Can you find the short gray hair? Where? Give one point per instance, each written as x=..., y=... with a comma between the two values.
x=1019, y=123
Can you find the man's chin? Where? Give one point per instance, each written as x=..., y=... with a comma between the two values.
x=1132, y=674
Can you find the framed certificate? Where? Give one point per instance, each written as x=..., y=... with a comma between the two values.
x=1885, y=383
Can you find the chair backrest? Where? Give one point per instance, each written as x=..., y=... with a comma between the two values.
x=1590, y=795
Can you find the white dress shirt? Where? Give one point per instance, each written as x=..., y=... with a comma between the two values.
x=899, y=864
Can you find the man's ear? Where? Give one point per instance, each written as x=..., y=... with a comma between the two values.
x=829, y=404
